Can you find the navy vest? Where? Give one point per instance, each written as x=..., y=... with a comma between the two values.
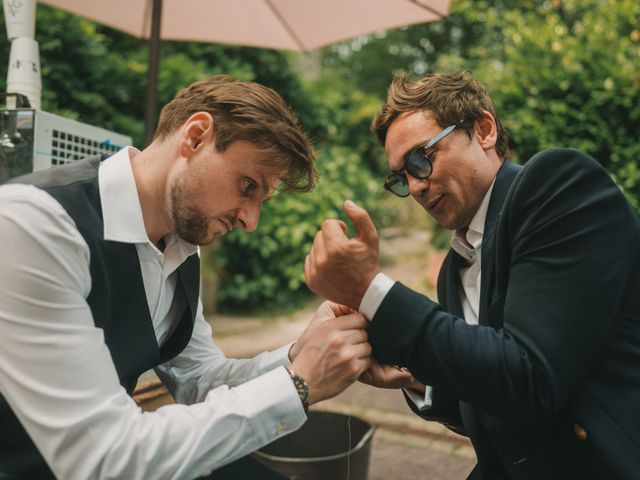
x=117, y=301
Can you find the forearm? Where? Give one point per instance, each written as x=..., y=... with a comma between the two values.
x=202, y=366
x=477, y=364
x=192, y=383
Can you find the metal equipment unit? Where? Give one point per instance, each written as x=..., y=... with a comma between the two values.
x=33, y=140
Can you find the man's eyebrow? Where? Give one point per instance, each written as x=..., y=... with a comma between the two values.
x=411, y=149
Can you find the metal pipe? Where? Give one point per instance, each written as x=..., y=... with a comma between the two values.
x=152, y=74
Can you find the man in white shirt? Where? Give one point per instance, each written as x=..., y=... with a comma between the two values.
x=99, y=283
x=533, y=348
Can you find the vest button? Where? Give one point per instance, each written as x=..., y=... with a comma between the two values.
x=580, y=432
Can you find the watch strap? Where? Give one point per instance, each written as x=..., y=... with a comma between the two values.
x=302, y=387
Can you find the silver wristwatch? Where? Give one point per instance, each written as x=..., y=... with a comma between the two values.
x=302, y=387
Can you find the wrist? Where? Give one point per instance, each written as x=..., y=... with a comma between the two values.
x=292, y=353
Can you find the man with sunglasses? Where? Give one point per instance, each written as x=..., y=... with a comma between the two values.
x=533, y=350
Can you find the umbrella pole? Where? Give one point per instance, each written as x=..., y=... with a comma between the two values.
x=152, y=83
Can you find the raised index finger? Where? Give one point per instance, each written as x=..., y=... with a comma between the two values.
x=362, y=222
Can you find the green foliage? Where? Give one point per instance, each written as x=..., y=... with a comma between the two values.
x=570, y=78
x=343, y=114
x=267, y=266
x=473, y=31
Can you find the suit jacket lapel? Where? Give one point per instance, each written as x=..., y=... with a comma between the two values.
x=505, y=177
x=449, y=284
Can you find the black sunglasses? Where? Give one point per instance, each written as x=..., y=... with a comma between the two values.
x=417, y=163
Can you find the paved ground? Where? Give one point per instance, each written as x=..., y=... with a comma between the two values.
x=404, y=445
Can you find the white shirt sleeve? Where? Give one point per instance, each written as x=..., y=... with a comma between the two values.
x=371, y=301
x=202, y=366
x=57, y=375
x=373, y=297
x=422, y=402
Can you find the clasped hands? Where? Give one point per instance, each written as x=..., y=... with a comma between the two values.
x=340, y=269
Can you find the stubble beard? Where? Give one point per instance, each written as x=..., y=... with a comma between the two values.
x=190, y=224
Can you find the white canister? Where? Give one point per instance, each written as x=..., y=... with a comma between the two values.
x=23, y=75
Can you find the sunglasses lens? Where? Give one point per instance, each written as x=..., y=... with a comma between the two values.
x=397, y=184
x=417, y=164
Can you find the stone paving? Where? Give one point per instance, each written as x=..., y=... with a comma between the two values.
x=404, y=445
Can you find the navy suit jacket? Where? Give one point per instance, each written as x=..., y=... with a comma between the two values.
x=548, y=384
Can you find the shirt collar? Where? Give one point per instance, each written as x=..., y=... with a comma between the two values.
x=478, y=220
x=121, y=210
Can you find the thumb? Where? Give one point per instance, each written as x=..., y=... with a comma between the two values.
x=339, y=310
x=362, y=221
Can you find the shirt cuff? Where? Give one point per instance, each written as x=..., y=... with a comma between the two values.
x=373, y=297
x=422, y=402
x=276, y=358
x=272, y=405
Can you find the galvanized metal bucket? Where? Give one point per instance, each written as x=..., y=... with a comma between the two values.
x=329, y=446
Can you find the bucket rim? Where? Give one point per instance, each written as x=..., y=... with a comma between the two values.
x=365, y=438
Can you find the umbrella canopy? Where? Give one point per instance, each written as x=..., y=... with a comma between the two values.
x=300, y=25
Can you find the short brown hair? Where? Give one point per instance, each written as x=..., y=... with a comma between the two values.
x=452, y=98
x=246, y=111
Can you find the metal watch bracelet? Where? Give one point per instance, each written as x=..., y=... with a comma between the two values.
x=302, y=387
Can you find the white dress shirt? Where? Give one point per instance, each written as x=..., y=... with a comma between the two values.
x=468, y=244
x=57, y=374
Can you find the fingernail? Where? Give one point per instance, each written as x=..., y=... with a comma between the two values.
x=349, y=204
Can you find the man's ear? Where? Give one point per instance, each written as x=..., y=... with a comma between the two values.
x=195, y=133
x=486, y=131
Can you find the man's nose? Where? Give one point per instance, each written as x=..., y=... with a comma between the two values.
x=416, y=185
x=248, y=217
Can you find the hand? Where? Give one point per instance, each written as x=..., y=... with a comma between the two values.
x=387, y=376
x=334, y=355
x=339, y=268
x=324, y=312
